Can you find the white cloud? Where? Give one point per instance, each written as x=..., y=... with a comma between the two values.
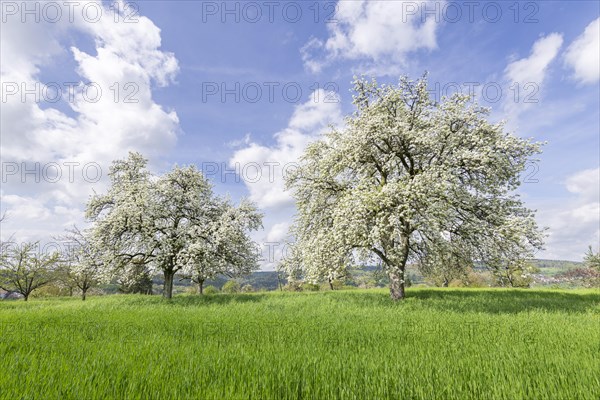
x=278, y=232
x=263, y=167
x=583, y=54
x=381, y=32
x=533, y=68
x=240, y=142
x=308, y=121
x=92, y=132
x=586, y=184
x=529, y=75
x=574, y=223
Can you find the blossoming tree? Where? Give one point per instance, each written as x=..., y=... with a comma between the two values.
x=225, y=248
x=160, y=220
x=81, y=266
x=407, y=180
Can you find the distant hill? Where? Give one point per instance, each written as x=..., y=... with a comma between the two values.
x=553, y=267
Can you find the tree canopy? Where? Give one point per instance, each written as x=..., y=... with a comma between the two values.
x=24, y=269
x=412, y=180
x=171, y=223
x=81, y=266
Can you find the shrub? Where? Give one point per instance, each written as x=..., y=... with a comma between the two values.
x=191, y=290
x=210, y=289
x=337, y=284
x=231, y=287
x=366, y=282
x=586, y=277
x=295, y=286
x=456, y=283
x=311, y=287
x=247, y=288
x=475, y=280
x=51, y=290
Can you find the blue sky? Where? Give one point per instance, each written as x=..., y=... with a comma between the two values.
x=176, y=52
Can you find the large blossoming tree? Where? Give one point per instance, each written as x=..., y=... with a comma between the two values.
x=160, y=221
x=412, y=180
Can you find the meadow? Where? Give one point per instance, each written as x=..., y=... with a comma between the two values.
x=354, y=344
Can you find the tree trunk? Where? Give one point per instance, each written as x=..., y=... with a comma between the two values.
x=445, y=283
x=200, y=286
x=83, y=293
x=330, y=284
x=26, y=296
x=397, y=285
x=168, y=285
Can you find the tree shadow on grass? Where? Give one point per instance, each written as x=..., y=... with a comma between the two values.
x=491, y=301
x=180, y=300
x=499, y=301
x=220, y=298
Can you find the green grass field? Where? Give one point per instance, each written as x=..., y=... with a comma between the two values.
x=437, y=344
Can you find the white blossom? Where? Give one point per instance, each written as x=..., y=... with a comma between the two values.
x=411, y=180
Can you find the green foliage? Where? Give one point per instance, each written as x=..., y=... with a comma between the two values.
x=293, y=286
x=231, y=287
x=23, y=269
x=138, y=280
x=51, y=290
x=210, y=290
x=476, y=279
x=336, y=284
x=467, y=277
x=582, y=277
x=515, y=274
x=591, y=259
x=443, y=273
x=311, y=287
x=439, y=344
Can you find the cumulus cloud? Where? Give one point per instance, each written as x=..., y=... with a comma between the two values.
x=575, y=222
x=382, y=33
x=278, y=232
x=107, y=112
x=263, y=168
x=583, y=54
x=529, y=74
x=534, y=67
x=585, y=184
x=272, y=162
